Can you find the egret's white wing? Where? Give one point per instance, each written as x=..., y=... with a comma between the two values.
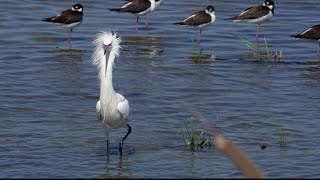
x=123, y=106
x=98, y=108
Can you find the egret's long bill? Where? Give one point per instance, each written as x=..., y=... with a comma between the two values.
x=106, y=48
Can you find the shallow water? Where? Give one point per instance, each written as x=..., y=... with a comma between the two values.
x=49, y=92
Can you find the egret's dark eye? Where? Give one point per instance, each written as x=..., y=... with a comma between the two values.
x=107, y=48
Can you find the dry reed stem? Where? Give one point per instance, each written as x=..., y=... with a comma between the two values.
x=238, y=157
x=230, y=149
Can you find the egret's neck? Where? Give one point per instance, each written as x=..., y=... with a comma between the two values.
x=106, y=73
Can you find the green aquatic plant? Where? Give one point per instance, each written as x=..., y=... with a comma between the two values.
x=194, y=140
x=196, y=58
x=262, y=53
x=282, y=134
x=199, y=57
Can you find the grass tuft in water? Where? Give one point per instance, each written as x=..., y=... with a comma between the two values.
x=262, y=53
x=194, y=140
x=282, y=134
x=199, y=57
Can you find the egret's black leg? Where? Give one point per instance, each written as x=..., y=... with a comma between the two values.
x=121, y=142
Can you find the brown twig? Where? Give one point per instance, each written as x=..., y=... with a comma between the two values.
x=230, y=149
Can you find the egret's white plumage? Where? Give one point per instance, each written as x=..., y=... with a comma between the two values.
x=112, y=108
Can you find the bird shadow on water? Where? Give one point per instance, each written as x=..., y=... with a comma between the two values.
x=144, y=45
x=143, y=39
x=69, y=50
x=73, y=56
x=115, y=168
x=310, y=69
x=114, y=150
x=67, y=62
x=116, y=165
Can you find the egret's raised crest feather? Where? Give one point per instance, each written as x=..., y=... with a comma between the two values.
x=98, y=43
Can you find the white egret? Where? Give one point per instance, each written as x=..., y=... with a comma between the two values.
x=112, y=108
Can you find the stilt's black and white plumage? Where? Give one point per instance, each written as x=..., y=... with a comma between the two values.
x=200, y=19
x=257, y=15
x=69, y=18
x=139, y=8
x=311, y=33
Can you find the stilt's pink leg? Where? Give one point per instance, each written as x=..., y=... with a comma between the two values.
x=147, y=22
x=199, y=36
x=137, y=24
x=69, y=39
x=257, y=35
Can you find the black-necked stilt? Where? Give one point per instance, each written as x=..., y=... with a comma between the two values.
x=200, y=19
x=311, y=33
x=69, y=18
x=138, y=8
x=257, y=15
